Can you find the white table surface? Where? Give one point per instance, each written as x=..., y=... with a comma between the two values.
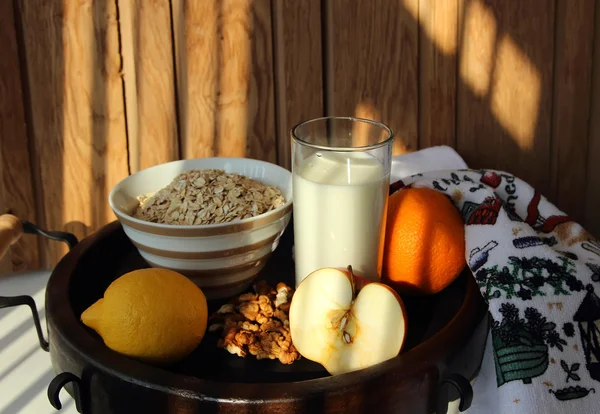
x=25, y=369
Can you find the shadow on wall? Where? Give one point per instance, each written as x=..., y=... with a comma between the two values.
x=504, y=86
x=74, y=86
x=501, y=56
x=214, y=110
x=44, y=84
x=500, y=106
x=66, y=121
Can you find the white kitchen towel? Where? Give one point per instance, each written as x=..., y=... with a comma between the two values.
x=539, y=271
x=441, y=157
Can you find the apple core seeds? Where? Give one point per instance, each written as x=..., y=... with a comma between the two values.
x=208, y=197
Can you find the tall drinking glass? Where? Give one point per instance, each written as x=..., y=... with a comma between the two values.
x=341, y=177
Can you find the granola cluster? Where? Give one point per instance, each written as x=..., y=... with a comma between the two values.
x=208, y=197
x=257, y=324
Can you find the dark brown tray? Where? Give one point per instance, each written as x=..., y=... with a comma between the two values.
x=446, y=336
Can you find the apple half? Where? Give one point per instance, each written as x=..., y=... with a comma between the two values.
x=346, y=323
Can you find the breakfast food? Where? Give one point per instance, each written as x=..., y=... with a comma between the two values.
x=425, y=242
x=155, y=315
x=346, y=323
x=257, y=324
x=208, y=197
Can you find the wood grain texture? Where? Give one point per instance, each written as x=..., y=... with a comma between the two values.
x=592, y=192
x=374, y=47
x=149, y=78
x=505, y=87
x=78, y=122
x=437, y=72
x=225, y=78
x=16, y=185
x=298, y=68
x=571, y=109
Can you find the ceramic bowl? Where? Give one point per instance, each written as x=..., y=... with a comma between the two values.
x=223, y=259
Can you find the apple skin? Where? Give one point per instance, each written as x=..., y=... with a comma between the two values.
x=346, y=323
x=359, y=281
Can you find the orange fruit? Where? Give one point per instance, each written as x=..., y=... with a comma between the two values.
x=424, y=243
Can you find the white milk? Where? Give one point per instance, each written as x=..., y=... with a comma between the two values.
x=340, y=205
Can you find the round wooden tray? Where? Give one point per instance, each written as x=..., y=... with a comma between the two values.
x=447, y=334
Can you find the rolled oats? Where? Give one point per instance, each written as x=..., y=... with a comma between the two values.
x=208, y=197
x=257, y=324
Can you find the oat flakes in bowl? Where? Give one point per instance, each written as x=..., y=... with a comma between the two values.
x=208, y=197
x=222, y=256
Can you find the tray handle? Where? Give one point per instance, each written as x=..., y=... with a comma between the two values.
x=10, y=301
x=11, y=229
x=58, y=383
x=68, y=238
x=462, y=386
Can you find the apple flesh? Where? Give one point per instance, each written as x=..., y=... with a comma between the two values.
x=344, y=328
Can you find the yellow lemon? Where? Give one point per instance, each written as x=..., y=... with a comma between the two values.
x=156, y=315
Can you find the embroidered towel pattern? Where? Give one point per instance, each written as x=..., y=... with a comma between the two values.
x=539, y=271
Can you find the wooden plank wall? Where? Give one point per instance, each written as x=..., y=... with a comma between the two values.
x=91, y=91
x=76, y=112
x=16, y=185
x=149, y=82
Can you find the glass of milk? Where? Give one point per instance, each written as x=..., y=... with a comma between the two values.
x=341, y=177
